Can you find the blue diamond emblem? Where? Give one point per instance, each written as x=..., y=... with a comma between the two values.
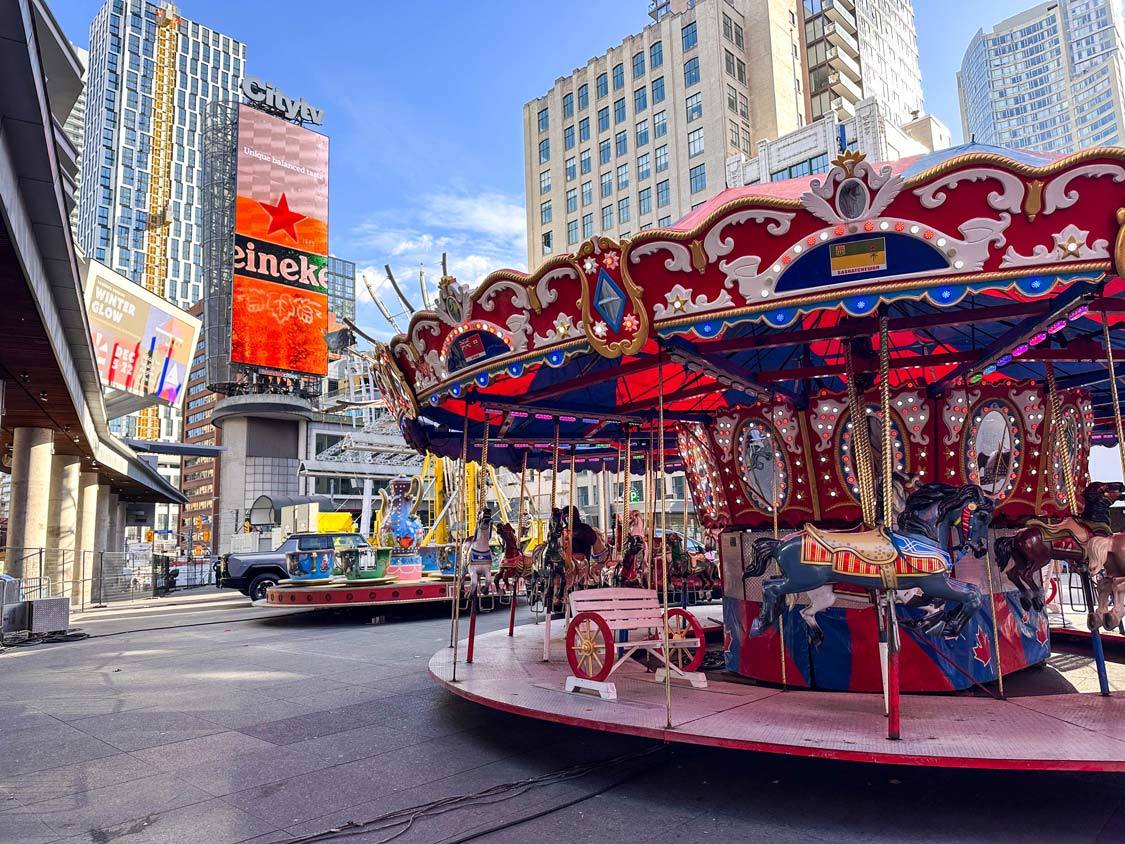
x=609, y=300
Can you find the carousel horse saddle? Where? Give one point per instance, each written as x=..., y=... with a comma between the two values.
x=479, y=558
x=1076, y=530
x=869, y=546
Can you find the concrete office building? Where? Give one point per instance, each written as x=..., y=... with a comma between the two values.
x=858, y=49
x=811, y=148
x=1048, y=79
x=641, y=133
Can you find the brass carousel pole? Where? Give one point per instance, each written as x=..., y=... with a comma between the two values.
x=519, y=546
x=549, y=596
x=893, y=713
x=482, y=499
x=777, y=535
x=664, y=561
x=1072, y=501
x=623, y=475
x=462, y=560
x=568, y=553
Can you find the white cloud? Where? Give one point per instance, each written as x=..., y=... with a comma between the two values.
x=479, y=232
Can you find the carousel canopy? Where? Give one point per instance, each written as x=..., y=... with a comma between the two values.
x=989, y=264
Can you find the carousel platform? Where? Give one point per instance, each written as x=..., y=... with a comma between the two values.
x=358, y=593
x=1052, y=721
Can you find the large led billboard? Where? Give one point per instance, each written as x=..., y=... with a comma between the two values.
x=279, y=304
x=143, y=344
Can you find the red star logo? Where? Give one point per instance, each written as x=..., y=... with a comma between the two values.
x=281, y=218
x=982, y=653
x=1041, y=630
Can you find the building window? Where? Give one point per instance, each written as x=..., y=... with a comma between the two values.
x=697, y=178
x=642, y=133
x=572, y=232
x=587, y=193
x=568, y=105
x=644, y=167
x=663, y=194
x=623, y=176
x=603, y=119
x=584, y=129
x=656, y=55
x=568, y=137
x=743, y=107
x=728, y=62
x=607, y=184
x=728, y=27
x=662, y=158
x=544, y=150
x=623, y=214
x=740, y=71
x=689, y=35
x=621, y=143
x=545, y=212
x=587, y=225
x=644, y=202
x=732, y=99
x=571, y=201
x=571, y=170
x=618, y=77
x=602, y=85
x=640, y=100
x=735, y=140
x=639, y=64
x=739, y=41
x=544, y=181
x=544, y=119
x=583, y=96
x=664, y=221
x=619, y=110
x=585, y=161
x=659, y=125
x=694, y=107
x=691, y=71
x=604, y=152
x=607, y=217
x=695, y=142
x=658, y=90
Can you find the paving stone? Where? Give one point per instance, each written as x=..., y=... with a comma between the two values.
x=211, y=822
x=140, y=728
x=74, y=777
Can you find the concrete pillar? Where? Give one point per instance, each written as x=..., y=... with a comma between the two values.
x=32, y=449
x=111, y=543
x=101, y=531
x=118, y=516
x=62, y=521
x=85, y=546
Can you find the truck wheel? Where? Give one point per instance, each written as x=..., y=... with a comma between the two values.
x=259, y=585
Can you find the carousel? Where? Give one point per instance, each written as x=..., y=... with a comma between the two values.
x=883, y=384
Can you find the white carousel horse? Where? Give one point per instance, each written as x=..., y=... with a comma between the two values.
x=479, y=558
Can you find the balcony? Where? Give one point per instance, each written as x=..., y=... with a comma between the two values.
x=841, y=62
x=840, y=15
x=843, y=109
x=839, y=37
x=844, y=87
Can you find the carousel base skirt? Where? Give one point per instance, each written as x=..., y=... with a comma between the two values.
x=355, y=593
x=1069, y=731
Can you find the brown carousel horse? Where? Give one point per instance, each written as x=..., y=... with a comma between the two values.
x=1031, y=548
x=514, y=563
x=589, y=552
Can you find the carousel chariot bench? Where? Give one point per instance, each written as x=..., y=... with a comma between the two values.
x=594, y=654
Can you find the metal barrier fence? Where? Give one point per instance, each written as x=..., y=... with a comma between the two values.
x=97, y=578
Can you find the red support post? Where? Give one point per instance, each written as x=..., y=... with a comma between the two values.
x=515, y=599
x=893, y=711
x=472, y=626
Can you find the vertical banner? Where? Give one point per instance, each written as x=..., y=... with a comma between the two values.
x=279, y=308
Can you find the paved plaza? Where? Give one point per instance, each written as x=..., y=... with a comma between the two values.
x=223, y=723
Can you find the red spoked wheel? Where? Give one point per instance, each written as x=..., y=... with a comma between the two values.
x=683, y=625
x=589, y=646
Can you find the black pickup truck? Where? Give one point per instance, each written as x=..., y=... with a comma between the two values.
x=253, y=573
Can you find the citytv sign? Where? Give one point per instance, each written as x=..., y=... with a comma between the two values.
x=265, y=94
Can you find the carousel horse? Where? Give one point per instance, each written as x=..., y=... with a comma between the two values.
x=1031, y=548
x=684, y=565
x=630, y=571
x=514, y=563
x=920, y=554
x=552, y=563
x=479, y=558
x=589, y=552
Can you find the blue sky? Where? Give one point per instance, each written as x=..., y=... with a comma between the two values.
x=424, y=99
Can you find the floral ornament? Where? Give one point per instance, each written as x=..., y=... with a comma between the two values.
x=562, y=325
x=613, y=315
x=600, y=328
x=590, y=265
x=630, y=322
x=611, y=259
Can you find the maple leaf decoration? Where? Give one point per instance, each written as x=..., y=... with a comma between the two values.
x=982, y=652
x=282, y=218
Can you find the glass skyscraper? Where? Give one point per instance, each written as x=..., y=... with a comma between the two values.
x=1048, y=79
x=341, y=288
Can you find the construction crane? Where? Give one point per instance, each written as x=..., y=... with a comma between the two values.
x=160, y=174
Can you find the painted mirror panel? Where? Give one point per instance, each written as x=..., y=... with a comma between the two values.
x=762, y=466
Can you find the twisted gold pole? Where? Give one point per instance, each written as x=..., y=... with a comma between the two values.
x=1060, y=440
x=885, y=407
x=861, y=441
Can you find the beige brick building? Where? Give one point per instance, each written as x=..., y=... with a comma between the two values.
x=641, y=134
